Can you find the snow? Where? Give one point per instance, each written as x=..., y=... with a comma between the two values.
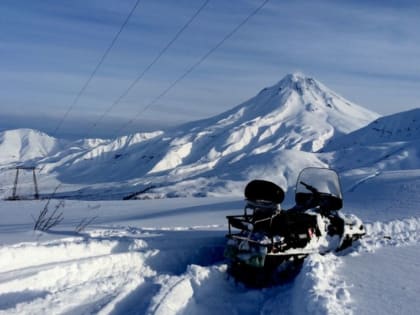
x=320, y=287
x=400, y=127
x=298, y=115
x=25, y=145
x=383, y=289
x=165, y=256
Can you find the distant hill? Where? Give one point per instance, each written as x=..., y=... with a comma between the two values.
x=387, y=144
x=23, y=145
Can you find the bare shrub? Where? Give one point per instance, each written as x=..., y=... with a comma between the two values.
x=84, y=223
x=47, y=218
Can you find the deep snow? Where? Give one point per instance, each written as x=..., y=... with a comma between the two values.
x=166, y=257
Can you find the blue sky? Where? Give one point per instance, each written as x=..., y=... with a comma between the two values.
x=367, y=51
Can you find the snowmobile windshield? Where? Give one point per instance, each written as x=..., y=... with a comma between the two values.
x=318, y=187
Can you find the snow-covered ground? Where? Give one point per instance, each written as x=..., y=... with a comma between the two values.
x=166, y=257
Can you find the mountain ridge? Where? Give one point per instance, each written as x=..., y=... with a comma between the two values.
x=290, y=120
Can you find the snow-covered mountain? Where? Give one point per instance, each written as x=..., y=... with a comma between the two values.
x=165, y=256
x=296, y=113
x=22, y=145
x=404, y=126
x=272, y=135
x=387, y=144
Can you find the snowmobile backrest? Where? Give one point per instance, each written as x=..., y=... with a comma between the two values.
x=262, y=190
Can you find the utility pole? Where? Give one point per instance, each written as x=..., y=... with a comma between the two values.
x=36, y=195
x=14, y=197
x=15, y=184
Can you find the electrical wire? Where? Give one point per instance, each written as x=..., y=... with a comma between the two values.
x=95, y=70
x=154, y=61
x=191, y=68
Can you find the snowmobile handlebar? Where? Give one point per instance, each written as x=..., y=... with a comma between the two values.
x=326, y=201
x=312, y=189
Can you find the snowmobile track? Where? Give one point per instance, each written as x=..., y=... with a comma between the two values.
x=74, y=277
x=109, y=272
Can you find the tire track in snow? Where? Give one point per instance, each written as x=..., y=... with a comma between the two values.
x=209, y=290
x=174, y=295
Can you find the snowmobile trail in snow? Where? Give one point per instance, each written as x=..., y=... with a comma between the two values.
x=74, y=277
x=111, y=272
x=209, y=290
x=179, y=270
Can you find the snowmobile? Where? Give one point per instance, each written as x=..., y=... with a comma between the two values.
x=267, y=244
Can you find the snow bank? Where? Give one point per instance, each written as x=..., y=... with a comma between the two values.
x=77, y=275
x=319, y=288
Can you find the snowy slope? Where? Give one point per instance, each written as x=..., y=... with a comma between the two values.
x=285, y=122
x=166, y=257
x=399, y=127
x=390, y=143
x=21, y=145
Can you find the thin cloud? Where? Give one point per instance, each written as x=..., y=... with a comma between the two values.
x=367, y=50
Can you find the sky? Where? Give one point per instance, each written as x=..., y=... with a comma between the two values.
x=367, y=51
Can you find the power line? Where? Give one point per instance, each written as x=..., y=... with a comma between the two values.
x=154, y=61
x=98, y=65
x=191, y=69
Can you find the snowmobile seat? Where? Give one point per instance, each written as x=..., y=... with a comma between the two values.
x=263, y=191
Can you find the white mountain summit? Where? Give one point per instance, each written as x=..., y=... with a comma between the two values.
x=298, y=114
